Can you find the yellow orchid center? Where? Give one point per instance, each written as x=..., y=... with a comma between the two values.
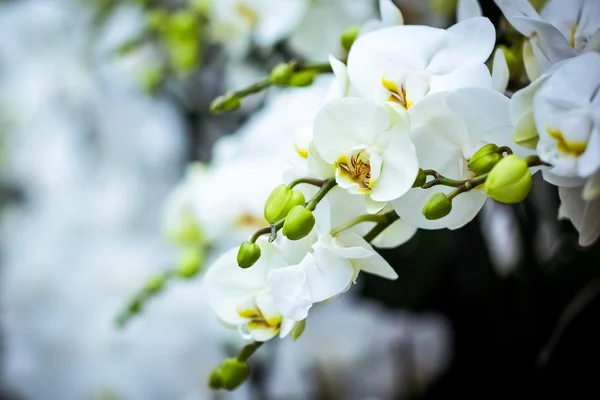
x=257, y=319
x=568, y=147
x=356, y=168
x=397, y=95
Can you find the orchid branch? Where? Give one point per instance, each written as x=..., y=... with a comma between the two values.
x=390, y=218
x=305, y=72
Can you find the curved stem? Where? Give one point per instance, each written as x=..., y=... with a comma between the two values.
x=248, y=350
x=358, y=220
x=391, y=217
x=327, y=186
x=309, y=181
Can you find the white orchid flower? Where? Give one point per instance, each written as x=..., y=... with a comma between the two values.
x=243, y=298
x=403, y=64
x=563, y=29
x=447, y=129
x=238, y=22
x=327, y=268
x=369, y=147
x=389, y=15
x=562, y=110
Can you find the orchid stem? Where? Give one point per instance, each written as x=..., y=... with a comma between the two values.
x=391, y=217
x=309, y=181
x=378, y=218
x=248, y=350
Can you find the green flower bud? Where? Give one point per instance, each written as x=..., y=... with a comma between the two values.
x=190, y=261
x=348, y=37
x=484, y=159
x=248, y=254
x=280, y=202
x=509, y=181
x=438, y=206
x=281, y=74
x=135, y=306
x=420, y=180
x=227, y=102
x=215, y=380
x=298, y=223
x=155, y=283
x=302, y=78
x=234, y=372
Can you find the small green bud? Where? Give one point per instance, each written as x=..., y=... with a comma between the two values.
x=190, y=261
x=298, y=329
x=155, y=283
x=484, y=159
x=280, y=202
x=420, y=180
x=348, y=37
x=302, y=78
x=248, y=254
x=298, y=223
x=438, y=206
x=234, y=372
x=227, y=102
x=281, y=74
x=135, y=305
x=509, y=181
x=215, y=380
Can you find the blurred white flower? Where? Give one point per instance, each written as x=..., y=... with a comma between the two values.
x=561, y=110
x=563, y=29
x=243, y=298
x=369, y=354
x=238, y=23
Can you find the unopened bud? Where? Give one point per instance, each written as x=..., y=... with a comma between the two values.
x=302, y=78
x=509, y=181
x=215, y=380
x=438, y=206
x=298, y=223
x=233, y=373
x=281, y=74
x=155, y=283
x=484, y=159
x=280, y=202
x=420, y=180
x=348, y=37
x=248, y=254
x=227, y=102
x=190, y=261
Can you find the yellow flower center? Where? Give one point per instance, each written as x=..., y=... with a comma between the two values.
x=258, y=319
x=357, y=169
x=568, y=147
x=397, y=95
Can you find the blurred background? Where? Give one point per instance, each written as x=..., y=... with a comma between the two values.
x=113, y=172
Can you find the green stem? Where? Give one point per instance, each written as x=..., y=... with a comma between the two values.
x=254, y=88
x=327, y=186
x=320, y=68
x=380, y=227
x=310, y=181
x=468, y=185
x=378, y=218
x=534, y=161
x=439, y=179
x=248, y=350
